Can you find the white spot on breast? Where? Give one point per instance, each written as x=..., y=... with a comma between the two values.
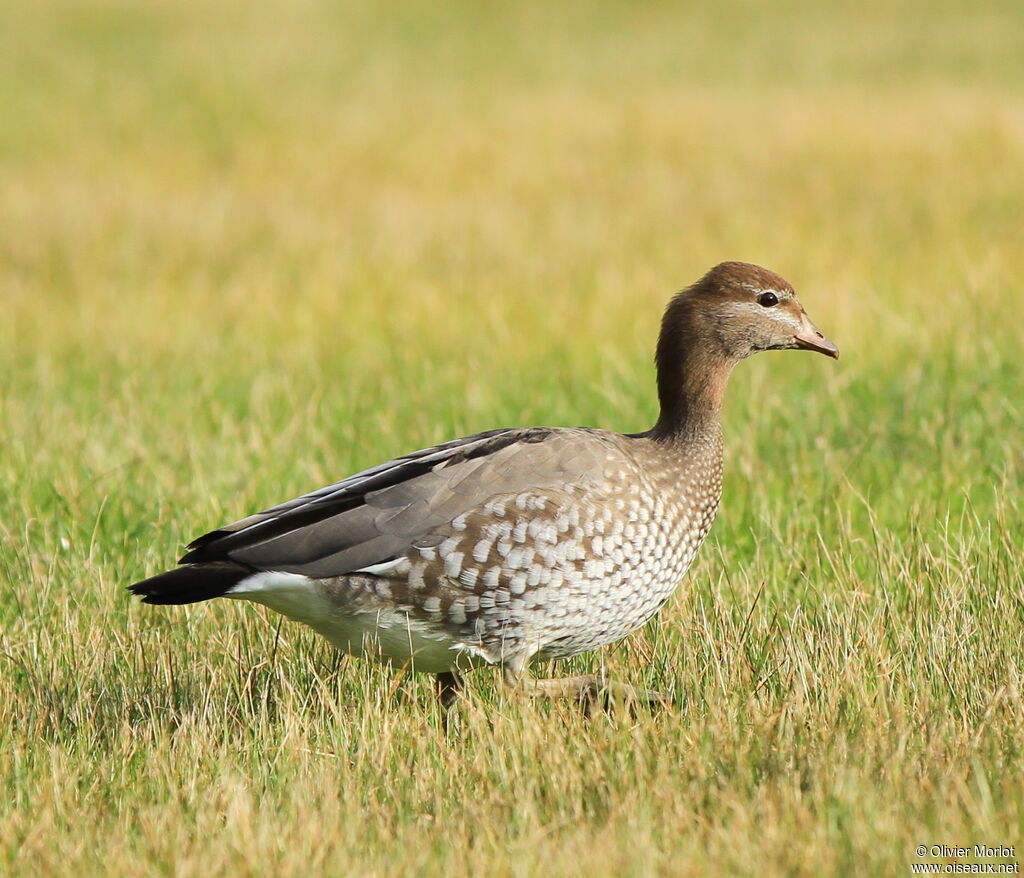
x=448, y=546
x=453, y=564
x=481, y=550
x=416, y=577
x=495, y=508
x=519, y=558
x=517, y=584
x=457, y=612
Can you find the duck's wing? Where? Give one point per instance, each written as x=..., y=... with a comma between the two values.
x=376, y=515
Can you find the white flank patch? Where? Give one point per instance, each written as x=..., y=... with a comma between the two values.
x=270, y=581
x=382, y=569
x=390, y=636
x=393, y=637
x=291, y=594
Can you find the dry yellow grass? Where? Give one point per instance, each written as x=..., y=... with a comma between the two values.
x=247, y=248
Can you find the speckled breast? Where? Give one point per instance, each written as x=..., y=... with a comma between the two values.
x=562, y=571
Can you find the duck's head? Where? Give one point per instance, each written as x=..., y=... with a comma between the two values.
x=738, y=309
x=735, y=310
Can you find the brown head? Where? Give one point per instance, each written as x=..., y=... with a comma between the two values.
x=735, y=310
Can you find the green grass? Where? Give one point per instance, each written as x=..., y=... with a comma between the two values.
x=246, y=248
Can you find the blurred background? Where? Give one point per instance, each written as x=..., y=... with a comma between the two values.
x=492, y=202
x=250, y=247
x=300, y=239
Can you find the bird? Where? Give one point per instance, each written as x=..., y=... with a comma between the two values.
x=513, y=547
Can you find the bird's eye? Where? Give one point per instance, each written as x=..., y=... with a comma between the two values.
x=768, y=299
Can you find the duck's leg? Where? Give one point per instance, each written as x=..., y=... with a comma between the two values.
x=590, y=690
x=449, y=684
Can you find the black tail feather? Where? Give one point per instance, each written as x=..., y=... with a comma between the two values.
x=191, y=583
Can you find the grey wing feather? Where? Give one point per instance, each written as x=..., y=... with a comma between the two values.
x=377, y=514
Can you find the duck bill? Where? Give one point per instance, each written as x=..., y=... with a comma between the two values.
x=809, y=339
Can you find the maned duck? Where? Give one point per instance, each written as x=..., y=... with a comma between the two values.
x=519, y=545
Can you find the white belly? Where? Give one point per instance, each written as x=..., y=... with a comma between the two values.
x=386, y=635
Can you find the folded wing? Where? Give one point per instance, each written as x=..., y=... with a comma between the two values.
x=376, y=515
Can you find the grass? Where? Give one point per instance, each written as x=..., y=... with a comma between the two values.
x=246, y=248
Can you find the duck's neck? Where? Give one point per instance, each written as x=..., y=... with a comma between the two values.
x=691, y=386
